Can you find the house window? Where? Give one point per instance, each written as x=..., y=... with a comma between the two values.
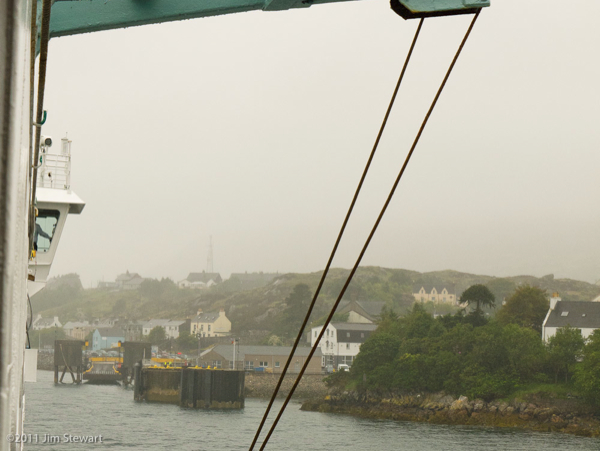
x=444, y=299
x=564, y=314
x=362, y=335
x=347, y=334
x=276, y=364
x=201, y=326
x=248, y=364
x=209, y=327
x=328, y=332
x=231, y=365
x=347, y=345
x=263, y=364
x=217, y=363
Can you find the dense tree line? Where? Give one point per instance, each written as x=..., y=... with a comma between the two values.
x=469, y=354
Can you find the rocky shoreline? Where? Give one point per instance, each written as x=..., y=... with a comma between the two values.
x=544, y=415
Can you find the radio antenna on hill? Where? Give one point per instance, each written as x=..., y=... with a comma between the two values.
x=209, y=259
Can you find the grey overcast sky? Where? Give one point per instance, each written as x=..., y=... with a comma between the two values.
x=254, y=128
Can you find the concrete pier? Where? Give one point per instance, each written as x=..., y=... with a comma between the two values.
x=190, y=387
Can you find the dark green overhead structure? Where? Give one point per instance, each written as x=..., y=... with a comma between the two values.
x=414, y=9
x=71, y=17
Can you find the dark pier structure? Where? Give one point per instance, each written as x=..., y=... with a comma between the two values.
x=134, y=352
x=190, y=387
x=68, y=356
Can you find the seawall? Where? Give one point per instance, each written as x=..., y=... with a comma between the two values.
x=543, y=415
x=262, y=385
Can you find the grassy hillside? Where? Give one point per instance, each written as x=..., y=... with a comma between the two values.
x=259, y=313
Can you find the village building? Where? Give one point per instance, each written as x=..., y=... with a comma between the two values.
x=200, y=280
x=581, y=315
x=172, y=328
x=270, y=359
x=361, y=312
x=45, y=323
x=341, y=342
x=126, y=281
x=77, y=330
x=105, y=338
x=438, y=294
x=213, y=324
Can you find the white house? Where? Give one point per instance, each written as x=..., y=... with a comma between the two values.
x=341, y=342
x=581, y=315
x=45, y=323
x=200, y=280
x=438, y=294
x=171, y=327
x=213, y=324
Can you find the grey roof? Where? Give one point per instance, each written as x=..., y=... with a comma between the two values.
x=580, y=314
x=127, y=276
x=227, y=351
x=110, y=331
x=209, y=317
x=45, y=321
x=204, y=277
x=370, y=309
x=439, y=287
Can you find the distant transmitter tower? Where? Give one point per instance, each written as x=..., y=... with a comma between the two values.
x=209, y=259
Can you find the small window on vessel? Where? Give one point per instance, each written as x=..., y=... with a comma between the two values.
x=45, y=226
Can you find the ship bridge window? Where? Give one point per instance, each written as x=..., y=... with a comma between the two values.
x=45, y=226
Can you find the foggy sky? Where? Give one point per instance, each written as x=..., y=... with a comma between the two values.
x=254, y=128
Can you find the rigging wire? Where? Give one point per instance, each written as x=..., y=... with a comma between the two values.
x=373, y=230
x=341, y=233
x=45, y=37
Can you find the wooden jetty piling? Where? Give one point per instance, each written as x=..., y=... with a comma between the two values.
x=190, y=387
x=68, y=356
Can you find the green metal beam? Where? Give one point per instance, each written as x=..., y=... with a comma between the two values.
x=75, y=17
x=71, y=17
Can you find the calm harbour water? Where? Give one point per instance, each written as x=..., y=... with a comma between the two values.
x=124, y=424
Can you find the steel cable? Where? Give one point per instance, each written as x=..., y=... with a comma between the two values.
x=373, y=230
x=341, y=233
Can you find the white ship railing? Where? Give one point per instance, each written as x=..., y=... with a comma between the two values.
x=55, y=169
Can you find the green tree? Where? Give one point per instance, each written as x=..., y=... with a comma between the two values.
x=526, y=353
x=527, y=307
x=375, y=362
x=185, y=341
x=480, y=295
x=565, y=349
x=501, y=288
x=157, y=336
x=587, y=373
